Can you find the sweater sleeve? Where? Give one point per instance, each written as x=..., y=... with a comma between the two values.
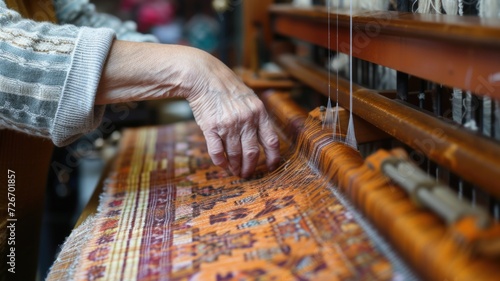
x=83, y=13
x=49, y=76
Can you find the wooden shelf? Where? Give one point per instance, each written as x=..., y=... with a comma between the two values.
x=258, y=84
x=462, y=52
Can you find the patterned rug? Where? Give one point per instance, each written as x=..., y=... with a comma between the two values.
x=168, y=214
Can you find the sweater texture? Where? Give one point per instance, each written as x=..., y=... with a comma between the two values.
x=49, y=73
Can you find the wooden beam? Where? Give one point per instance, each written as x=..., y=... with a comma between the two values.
x=460, y=52
x=474, y=158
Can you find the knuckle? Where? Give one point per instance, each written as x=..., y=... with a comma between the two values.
x=273, y=142
x=251, y=153
x=217, y=159
x=216, y=153
x=225, y=126
x=248, y=115
x=233, y=155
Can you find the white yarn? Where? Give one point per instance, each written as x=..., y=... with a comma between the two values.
x=380, y=5
x=351, y=136
x=429, y=6
x=489, y=8
x=450, y=7
x=339, y=3
x=302, y=3
x=424, y=6
x=437, y=6
x=470, y=122
x=328, y=122
x=340, y=63
x=487, y=113
x=371, y=5
x=457, y=105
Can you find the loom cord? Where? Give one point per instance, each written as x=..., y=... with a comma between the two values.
x=350, y=136
x=328, y=120
x=336, y=120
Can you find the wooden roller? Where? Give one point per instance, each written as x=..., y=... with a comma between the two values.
x=436, y=250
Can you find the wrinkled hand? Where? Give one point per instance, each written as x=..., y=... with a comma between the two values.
x=232, y=118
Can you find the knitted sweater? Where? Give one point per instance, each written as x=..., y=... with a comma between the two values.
x=49, y=73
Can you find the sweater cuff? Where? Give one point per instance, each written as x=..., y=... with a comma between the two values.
x=76, y=113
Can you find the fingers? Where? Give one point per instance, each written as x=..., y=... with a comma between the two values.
x=235, y=143
x=234, y=127
x=250, y=151
x=269, y=141
x=232, y=145
x=257, y=129
x=216, y=149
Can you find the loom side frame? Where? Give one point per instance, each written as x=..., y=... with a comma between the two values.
x=457, y=150
x=438, y=48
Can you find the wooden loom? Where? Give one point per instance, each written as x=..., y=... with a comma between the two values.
x=439, y=48
x=449, y=243
x=437, y=251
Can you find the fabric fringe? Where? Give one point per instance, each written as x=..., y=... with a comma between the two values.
x=64, y=268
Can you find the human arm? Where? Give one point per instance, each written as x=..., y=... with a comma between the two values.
x=50, y=75
x=230, y=115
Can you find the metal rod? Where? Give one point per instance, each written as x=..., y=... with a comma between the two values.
x=430, y=193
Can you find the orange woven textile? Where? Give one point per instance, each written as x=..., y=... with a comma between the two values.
x=168, y=214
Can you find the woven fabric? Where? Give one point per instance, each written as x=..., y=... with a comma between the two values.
x=168, y=213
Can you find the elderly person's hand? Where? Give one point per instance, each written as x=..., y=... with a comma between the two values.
x=230, y=115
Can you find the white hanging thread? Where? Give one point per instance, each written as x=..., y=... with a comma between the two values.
x=470, y=122
x=429, y=6
x=328, y=121
x=424, y=6
x=487, y=112
x=350, y=137
x=332, y=119
x=457, y=99
x=437, y=6
x=457, y=105
x=336, y=118
x=380, y=5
